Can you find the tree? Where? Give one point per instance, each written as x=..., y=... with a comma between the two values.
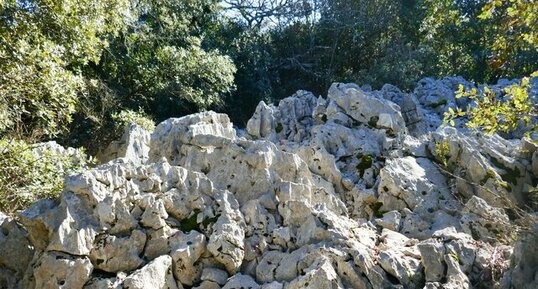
x=514, y=32
x=251, y=52
x=260, y=14
x=453, y=33
x=43, y=46
x=353, y=41
x=158, y=62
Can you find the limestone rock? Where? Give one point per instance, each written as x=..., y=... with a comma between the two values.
x=455, y=277
x=187, y=249
x=114, y=254
x=69, y=227
x=525, y=261
x=410, y=108
x=398, y=257
x=367, y=108
x=483, y=221
x=391, y=220
x=416, y=188
x=133, y=145
x=320, y=275
x=240, y=280
x=158, y=242
x=169, y=134
x=290, y=120
x=108, y=283
x=16, y=251
x=227, y=241
x=207, y=285
x=262, y=123
x=360, y=189
x=156, y=274
x=215, y=275
x=59, y=270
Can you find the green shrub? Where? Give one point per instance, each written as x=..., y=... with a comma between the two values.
x=492, y=113
x=126, y=117
x=32, y=172
x=442, y=151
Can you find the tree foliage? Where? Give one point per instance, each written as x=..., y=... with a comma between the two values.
x=87, y=60
x=160, y=58
x=515, y=28
x=43, y=46
x=32, y=172
x=142, y=51
x=491, y=111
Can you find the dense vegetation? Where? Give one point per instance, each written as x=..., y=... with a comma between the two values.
x=87, y=60
x=70, y=70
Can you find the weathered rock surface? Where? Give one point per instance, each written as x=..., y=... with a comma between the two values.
x=133, y=145
x=361, y=189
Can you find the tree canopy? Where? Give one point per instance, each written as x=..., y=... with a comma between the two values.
x=88, y=60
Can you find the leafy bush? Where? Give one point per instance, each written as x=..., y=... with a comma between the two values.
x=159, y=63
x=32, y=172
x=44, y=46
x=492, y=112
x=126, y=117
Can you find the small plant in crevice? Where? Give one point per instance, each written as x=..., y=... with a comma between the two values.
x=373, y=121
x=442, y=151
x=191, y=223
x=365, y=162
x=376, y=209
x=279, y=128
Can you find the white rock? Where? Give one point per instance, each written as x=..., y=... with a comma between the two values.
x=227, y=241
x=365, y=108
x=57, y=270
x=114, y=254
x=239, y=280
x=215, y=275
x=186, y=250
x=262, y=123
x=154, y=215
x=432, y=254
x=320, y=275
x=133, y=145
x=16, y=251
x=156, y=274
x=482, y=221
x=391, y=220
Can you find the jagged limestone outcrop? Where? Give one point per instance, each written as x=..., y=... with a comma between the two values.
x=358, y=190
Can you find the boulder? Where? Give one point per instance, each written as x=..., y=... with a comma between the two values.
x=367, y=108
x=133, y=146
x=156, y=274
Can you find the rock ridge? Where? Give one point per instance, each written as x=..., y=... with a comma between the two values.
x=361, y=189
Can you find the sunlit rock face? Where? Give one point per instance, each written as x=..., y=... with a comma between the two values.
x=359, y=189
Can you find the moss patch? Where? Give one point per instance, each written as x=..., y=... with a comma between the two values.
x=188, y=224
x=279, y=128
x=438, y=104
x=510, y=175
x=364, y=163
x=373, y=121
x=490, y=174
x=376, y=209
